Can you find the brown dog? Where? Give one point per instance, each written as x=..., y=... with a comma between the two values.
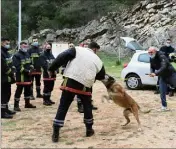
x=117, y=93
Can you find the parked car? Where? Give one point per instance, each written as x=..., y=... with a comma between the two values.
x=135, y=72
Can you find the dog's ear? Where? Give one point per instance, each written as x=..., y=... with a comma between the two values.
x=110, y=78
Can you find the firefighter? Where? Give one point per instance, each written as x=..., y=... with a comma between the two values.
x=7, y=78
x=45, y=59
x=24, y=68
x=35, y=52
x=83, y=69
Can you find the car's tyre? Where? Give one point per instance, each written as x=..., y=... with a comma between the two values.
x=133, y=82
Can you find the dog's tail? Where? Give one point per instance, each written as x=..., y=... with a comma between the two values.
x=142, y=111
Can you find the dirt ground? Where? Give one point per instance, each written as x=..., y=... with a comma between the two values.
x=32, y=128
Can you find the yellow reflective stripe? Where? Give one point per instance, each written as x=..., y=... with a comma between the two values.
x=22, y=69
x=84, y=89
x=9, y=79
x=22, y=78
x=34, y=55
x=9, y=61
x=9, y=71
x=28, y=61
x=65, y=81
x=22, y=63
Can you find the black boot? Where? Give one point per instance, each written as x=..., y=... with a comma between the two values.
x=55, y=135
x=46, y=101
x=16, y=106
x=28, y=104
x=9, y=111
x=39, y=95
x=52, y=102
x=80, y=107
x=4, y=114
x=89, y=131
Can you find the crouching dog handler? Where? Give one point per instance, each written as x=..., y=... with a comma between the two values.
x=45, y=61
x=83, y=69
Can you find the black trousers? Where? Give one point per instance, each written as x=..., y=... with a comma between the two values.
x=37, y=83
x=79, y=98
x=48, y=88
x=19, y=90
x=5, y=94
x=65, y=102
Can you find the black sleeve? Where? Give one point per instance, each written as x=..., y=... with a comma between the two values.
x=101, y=74
x=172, y=50
x=5, y=69
x=63, y=59
x=164, y=63
x=29, y=51
x=43, y=63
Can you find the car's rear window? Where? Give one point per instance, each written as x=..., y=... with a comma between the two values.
x=144, y=58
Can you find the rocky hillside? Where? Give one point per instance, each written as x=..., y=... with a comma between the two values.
x=149, y=21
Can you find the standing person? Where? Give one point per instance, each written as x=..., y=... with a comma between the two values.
x=79, y=103
x=161, y=67
x=35, y=52
x=46, y=59
x=7, y=78
x=24, y=67
x=80, y=74
x=168, y=49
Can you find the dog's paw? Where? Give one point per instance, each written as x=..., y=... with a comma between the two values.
x=139, y=129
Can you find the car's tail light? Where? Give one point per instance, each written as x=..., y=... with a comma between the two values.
x=125, y=65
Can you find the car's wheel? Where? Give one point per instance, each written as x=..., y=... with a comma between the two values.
x=133, y=81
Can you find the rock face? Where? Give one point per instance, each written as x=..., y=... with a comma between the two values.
x=151, y=22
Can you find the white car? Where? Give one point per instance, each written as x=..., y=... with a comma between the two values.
x=135, y=72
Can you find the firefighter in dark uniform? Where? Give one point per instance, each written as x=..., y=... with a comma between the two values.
x=24, y=67
x=83, y=69
x=35, y=52
x=45, y=59
x=7, y=78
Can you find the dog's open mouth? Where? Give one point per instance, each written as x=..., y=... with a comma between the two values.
x=108, y=81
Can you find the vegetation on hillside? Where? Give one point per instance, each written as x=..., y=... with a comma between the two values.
x=55, y=14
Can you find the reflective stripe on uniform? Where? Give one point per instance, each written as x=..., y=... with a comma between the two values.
x=34, y=55
x=22, y=69
x=36, y=73
x=88, y=121
x=22, y=77
x=58, y=122
x=3, y=106
x=17, y=99
x=75, y=90
x=49, y=79
x=23, y=83
x=9, y=71
x=47, y=94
